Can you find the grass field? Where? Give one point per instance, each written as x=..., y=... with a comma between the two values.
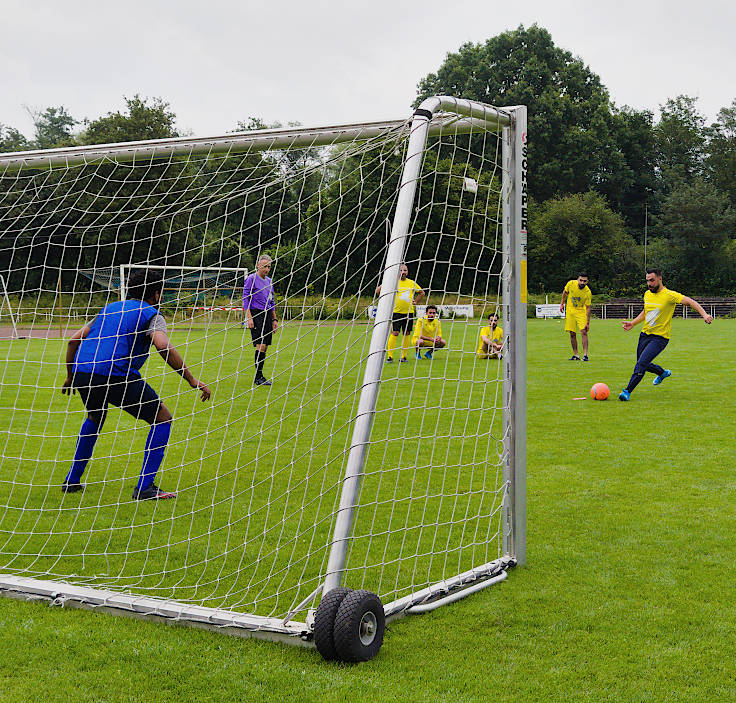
x=626, y=595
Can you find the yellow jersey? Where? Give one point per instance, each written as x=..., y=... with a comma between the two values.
x=404, y=302
x=577, y=298
x=658, y=311
x=428, y=328
x=496, y=336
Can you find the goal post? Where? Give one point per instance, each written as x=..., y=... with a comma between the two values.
x=351, y=490
x=5, y=303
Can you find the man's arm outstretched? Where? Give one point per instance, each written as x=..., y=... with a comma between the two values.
x=628, y=324
x=170, y=354
x=695, y=305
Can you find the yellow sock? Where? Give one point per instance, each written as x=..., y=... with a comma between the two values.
x=392, y=339
x=405, y=344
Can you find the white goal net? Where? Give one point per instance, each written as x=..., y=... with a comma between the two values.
x=403, y=478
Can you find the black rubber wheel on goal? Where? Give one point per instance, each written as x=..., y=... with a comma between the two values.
x=359, y=626
x=324, y=622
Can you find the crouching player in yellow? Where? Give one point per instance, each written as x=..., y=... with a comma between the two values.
x=490, y=341
x=428, y=333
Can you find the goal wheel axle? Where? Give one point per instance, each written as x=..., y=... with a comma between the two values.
x=349, y=625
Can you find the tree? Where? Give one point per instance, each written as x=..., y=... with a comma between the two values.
x=698, y=225
x=629, y=181
x=577, y=233
x=569, y=110
x=54, y=128
x=142, y=121
x=11, y=139
x=680, y=141
x=720, y=162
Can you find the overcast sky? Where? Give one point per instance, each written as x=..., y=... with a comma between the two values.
x=321, y=62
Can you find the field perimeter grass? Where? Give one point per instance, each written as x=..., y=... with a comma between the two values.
x=627, y=594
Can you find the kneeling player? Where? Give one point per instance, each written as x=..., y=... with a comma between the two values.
x=490, y=341
x=103, y=362
x=428, y=333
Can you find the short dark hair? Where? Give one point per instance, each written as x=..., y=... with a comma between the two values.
x=655, y=271
x=143, y=284
x=432, y=306
x=493, y=314
x=582, y=274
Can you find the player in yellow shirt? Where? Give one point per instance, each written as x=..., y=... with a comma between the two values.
x=659, y=306
x=576, y=300
x=428, y=333
x=408, y=293
x=490, y=340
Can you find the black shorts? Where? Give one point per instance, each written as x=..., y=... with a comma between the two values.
x=262, y=331
x=131, y=394
x=402, y=321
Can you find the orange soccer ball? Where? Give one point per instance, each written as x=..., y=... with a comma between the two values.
x=599, y=391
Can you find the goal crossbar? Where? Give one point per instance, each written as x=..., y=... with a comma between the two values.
x=155, y=267
x=256, y=140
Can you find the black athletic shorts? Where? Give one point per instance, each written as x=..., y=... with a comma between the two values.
x=262, y=331
x=402, y=321
x=131, y=394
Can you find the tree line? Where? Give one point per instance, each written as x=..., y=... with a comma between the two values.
x=612, y=187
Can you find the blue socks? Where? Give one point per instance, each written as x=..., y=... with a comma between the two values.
x=153, y=455
x=85, y=446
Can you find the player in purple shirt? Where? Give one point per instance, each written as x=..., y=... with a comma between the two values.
x=260, y=313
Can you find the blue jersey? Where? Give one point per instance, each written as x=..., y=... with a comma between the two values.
x=118, y=342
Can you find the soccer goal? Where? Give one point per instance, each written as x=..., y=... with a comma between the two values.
x=354, y=489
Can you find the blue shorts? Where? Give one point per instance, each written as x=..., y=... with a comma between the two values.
x=130, y=393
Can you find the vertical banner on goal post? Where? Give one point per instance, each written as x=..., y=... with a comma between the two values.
x=515, y=205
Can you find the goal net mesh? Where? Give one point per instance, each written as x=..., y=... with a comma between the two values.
x=258, y=470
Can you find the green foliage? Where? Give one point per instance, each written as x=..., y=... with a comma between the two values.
x=54, y=128
x=568, y=107
x=143, y=120
x=680, y=142
x=580, y=232
x=720, y=163
x=628, y=168
x=12, y=140
x=698, y=226
x=578, y=142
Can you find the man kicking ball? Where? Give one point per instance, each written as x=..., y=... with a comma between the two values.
x=659, y=306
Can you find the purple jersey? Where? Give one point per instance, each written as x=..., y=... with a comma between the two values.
x=258, y=293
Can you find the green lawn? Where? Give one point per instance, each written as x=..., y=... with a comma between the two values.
x=631, y=530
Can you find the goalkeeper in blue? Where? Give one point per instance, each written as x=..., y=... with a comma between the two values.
x=103, y=361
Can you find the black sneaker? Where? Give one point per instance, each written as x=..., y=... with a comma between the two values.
x=585, y=358
x=72, y=487
x=153, y=492
x=574, y=357
x=261, y=381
